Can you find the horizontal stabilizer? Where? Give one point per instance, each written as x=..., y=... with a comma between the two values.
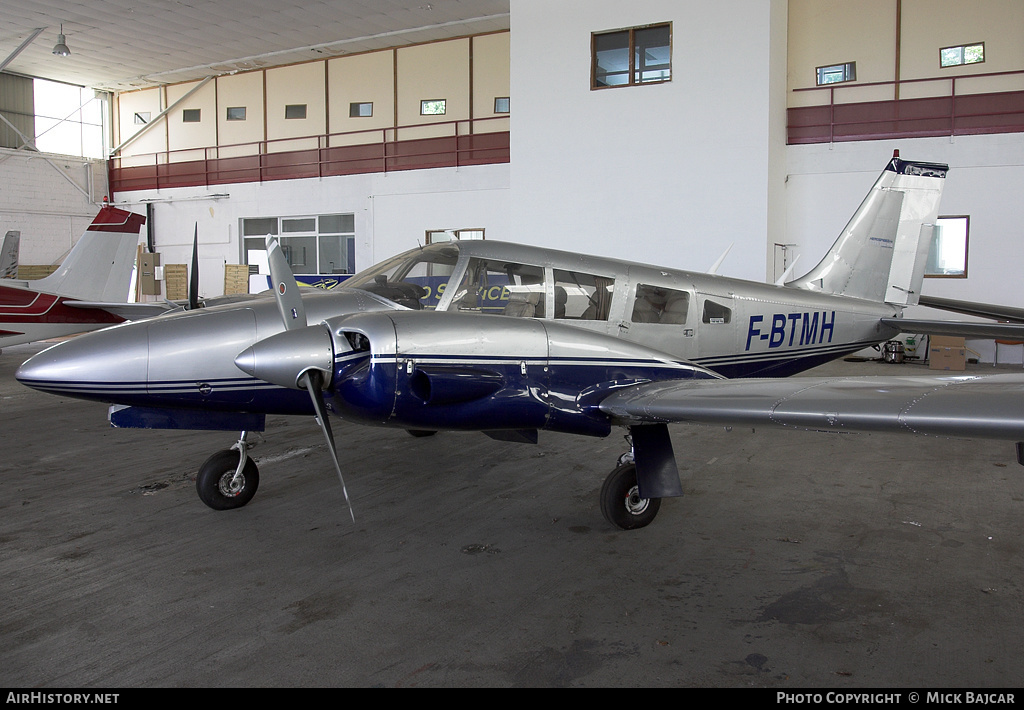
x=1003, y=331
x=971, y=308
x=985, y=407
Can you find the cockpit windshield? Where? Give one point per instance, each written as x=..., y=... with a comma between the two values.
x=415, y=279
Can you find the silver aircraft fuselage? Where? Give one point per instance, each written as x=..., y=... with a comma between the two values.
x=597, y=308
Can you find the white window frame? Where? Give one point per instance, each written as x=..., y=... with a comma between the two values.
x=949, y=250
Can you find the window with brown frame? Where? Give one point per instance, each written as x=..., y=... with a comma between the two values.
x=836, y=73
x=962, y=54
x=637, y=55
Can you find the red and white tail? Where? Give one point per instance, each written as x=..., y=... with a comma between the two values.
x=99, y=266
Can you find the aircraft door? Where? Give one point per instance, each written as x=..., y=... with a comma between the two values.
x=661, y=315
x=716, y=317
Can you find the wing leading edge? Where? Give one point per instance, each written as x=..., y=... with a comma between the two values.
x=986, y=407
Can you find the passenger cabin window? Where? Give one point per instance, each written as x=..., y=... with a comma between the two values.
x=656, y=304
x=502, y=288
x=581, y=296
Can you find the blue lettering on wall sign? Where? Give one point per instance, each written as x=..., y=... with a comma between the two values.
x=812, y=329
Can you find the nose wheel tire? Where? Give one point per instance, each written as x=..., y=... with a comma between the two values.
x=218, y=486
x=621, y=503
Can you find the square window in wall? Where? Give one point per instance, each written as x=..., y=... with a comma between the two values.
x=295, y=111
x=948, y=255
x=360, y=110
x=236, y=113
x=962, y=54
x=836, y=73
x=501, y=104
x=639, y=55
x=432, y=107
x=141, y=118
x=190, y=115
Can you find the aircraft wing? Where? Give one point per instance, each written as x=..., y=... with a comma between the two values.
x=1002, y=331
x=988, y=406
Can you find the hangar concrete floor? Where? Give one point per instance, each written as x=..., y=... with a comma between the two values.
x=795, y=560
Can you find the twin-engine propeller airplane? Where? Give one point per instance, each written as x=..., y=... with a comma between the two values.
x=86, y=292
x=509, y=339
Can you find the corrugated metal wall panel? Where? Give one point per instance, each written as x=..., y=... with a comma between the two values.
x=17, y=104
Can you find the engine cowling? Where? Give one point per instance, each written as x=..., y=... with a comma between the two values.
x=432, y=370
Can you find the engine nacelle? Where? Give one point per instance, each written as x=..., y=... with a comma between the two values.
x=434, y=370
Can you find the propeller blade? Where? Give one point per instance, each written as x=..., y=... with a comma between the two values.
x=193, y=283
x=314, y=380
x=286, y=291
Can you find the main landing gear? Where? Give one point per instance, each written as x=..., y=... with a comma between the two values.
x=621, y=503
x=229, y=478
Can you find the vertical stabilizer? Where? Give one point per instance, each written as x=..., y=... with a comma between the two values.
x=99, y=266
x=9, y=255
x=881, y=254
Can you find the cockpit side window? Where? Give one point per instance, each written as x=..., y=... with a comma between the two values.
x=656, y=304
x=582, y=296
x=416, y=279
x=501, y=288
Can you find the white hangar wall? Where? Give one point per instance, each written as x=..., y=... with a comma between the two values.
x=392, y=212
x=670, y=173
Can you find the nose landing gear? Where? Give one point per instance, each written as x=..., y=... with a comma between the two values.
x=229, y=478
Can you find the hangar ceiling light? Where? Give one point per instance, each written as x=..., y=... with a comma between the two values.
x=61, y=48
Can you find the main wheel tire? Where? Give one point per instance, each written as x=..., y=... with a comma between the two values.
x=621, y=503
x=214, y=481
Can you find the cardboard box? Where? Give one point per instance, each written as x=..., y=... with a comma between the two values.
x=946, y=353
